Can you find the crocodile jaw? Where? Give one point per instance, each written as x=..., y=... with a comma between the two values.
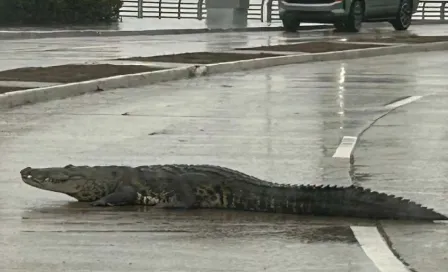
x=39, y=178
x=28, y=179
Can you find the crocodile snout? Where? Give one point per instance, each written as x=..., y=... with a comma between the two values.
x=26, y=173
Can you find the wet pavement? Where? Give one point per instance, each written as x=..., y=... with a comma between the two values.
x=278, y=124
x=136, y=24
x=404, y=153
x=56, y=51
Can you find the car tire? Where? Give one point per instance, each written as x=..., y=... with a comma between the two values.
x=355, y=17
x=403, y=18
x=291, y=22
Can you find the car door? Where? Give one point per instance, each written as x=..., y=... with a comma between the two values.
x=392, y=7
x=369, y=8
x=375, y=8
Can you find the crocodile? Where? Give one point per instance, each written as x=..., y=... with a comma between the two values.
x=215, y=187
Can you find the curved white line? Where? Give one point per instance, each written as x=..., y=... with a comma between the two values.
x=377, y=250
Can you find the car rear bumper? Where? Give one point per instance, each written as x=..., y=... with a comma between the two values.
x=313, y=13
x=315, y=7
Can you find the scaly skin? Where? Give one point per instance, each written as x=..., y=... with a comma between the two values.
x=209, y=186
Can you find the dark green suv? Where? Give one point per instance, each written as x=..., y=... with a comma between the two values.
x=346, y=15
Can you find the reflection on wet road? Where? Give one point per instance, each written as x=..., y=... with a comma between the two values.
x=134, y=238
x=282, y=124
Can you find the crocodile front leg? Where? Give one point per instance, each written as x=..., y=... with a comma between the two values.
x=124, y=195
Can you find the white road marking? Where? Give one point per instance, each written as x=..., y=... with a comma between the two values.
x=377, y=250
x=346, y=147
x=440, y=221
x=403, y=102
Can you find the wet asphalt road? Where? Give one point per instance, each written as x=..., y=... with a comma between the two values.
x=57, y=51
x=282, y=124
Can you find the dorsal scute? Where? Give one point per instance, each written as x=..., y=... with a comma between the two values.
x=221, y=171
x=352, y=193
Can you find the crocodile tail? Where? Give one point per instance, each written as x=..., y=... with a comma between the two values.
x=352, y=201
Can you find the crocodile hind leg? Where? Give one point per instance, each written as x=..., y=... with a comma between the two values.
x=184, y=189
x=124, y=195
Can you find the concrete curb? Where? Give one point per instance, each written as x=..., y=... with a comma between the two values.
x=18, y=98
x=307, y=57
x=14, y=35
x=13, y=99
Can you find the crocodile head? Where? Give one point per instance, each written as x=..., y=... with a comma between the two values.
x=68, y=179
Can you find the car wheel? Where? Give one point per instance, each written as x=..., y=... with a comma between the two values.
x=355, y=17
x=290, y=22
x=404, y=16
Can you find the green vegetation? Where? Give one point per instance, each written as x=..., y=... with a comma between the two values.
x=45, y=12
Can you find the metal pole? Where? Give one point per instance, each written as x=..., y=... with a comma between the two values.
x=442, y=11
x=139, y=8
x=199, y=9
x=160, y=9
x=262, y=11
x=269, y=11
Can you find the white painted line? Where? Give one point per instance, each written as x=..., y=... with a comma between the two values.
x=348, y=143
x=377, y=250
x=346, y=147
x=440, y=221
x=403, y=102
